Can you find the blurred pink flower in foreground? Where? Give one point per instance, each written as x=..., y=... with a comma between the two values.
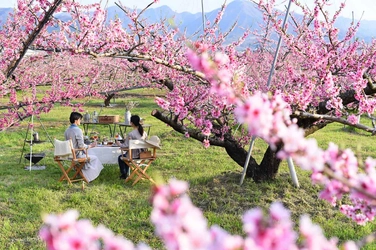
x=181, y=225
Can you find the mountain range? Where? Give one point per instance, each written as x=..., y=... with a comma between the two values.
x=244, y=12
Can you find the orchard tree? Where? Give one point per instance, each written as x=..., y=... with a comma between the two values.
x=180, y=225
x=64, y=63
x=322, y=77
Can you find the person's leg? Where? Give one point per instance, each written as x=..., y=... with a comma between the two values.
x=123, y=167
x=93, y=168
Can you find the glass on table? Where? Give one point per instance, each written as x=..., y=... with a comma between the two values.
x=110, y=141
x=104, y=140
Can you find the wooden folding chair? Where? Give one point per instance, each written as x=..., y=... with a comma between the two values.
x=139, y=166
x=64, y=151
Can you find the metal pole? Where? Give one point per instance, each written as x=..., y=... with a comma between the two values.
x=278, y=45
x=31, y=141
x=289, y=160
x=202, y=13
x=23, y=147
x=247, y=160
x=292, y=172
x=45, y=131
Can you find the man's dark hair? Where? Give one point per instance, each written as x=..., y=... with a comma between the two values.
x=74, y=116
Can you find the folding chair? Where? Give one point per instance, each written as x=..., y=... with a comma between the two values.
x=139, y=166
x=64, y=151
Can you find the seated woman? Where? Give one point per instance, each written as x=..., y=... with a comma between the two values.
x=137, y=133
x=92, y=169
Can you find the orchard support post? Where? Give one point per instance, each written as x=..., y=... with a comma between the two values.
x=289, y=159
x=247, y=160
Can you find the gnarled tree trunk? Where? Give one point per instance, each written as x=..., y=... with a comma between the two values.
x=266, y=170
x=108, y=99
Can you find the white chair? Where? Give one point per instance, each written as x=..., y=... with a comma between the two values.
x=64, y=151
x=139, y=166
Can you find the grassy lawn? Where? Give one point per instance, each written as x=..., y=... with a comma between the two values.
x=212, y=175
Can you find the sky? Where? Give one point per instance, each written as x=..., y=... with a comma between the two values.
x=353, y=7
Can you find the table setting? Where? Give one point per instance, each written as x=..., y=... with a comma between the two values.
x=106, y=149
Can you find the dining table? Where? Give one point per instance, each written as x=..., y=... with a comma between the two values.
x=111, y=127
x=106, y=154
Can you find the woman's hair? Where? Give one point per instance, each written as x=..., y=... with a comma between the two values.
x=135, y=119
x=74, y=116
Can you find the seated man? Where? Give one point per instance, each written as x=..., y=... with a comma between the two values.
x=93, y=168
x=137, y=133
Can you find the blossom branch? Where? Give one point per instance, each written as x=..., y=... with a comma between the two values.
x=330, y=173
x=302, y=114
x=13, y=65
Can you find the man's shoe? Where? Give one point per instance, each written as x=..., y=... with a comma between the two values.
x=123, y=176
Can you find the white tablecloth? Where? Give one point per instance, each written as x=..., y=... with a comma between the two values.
x=106, y=154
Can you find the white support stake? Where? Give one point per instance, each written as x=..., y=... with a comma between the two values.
x=247, y=160
x=31, y=141
x=292, y=172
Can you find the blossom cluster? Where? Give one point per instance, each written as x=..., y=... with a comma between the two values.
x=65, y=231
x=181, y=225
x=268, y=118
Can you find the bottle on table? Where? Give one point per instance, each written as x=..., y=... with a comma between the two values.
x=87, y=117
x=95, y=117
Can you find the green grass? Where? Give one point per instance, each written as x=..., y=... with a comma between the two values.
x=213, y=178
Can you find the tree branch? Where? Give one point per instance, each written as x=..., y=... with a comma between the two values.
x=31, y=38
x=302, y=114
x=179, y=127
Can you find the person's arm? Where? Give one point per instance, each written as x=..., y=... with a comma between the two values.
x=80, y=141
x=92, y=145
x=144, y=136
x=125, y=144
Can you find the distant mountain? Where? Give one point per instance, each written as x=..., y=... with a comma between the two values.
x=366, y=31
x=244, y=12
